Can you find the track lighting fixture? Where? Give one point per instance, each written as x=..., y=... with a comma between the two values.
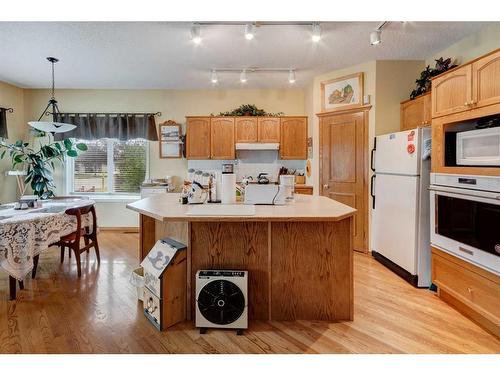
x=213, y=77
x=376, y=35
x=243, y=76
x=249, y=31
x=316, y=32
x=291, y=76
x=196, y=34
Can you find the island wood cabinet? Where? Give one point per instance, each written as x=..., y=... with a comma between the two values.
x=293, y=143
x=210, y=138
x=416, y=112
x=257, y=129
x=467, y=87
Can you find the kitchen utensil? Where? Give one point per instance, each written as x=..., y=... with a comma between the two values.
x=262, y=178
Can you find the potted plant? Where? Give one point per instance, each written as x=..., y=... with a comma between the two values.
x=424, y=81
x=41, y=163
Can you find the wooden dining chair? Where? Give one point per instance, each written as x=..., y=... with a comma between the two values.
x=72, y=240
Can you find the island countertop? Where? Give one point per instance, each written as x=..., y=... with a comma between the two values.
x=166, y=207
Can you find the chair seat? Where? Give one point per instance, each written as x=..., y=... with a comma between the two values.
x=69, y=238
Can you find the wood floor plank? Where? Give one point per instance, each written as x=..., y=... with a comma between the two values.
x=99, y=313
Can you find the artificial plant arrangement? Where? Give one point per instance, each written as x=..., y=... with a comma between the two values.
x=41, y=163
x=249, y=110
x=424, y=82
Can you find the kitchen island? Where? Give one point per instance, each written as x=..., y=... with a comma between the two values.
x=299, y=256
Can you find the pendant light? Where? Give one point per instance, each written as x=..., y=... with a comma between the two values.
x=249, y=31
x=213, y=77
x=51, y=126
x=196, y=34
x=243, y=76
x=291, y=76
x=316, y=32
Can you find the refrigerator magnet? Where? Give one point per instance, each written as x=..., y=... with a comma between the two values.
x=410, y=148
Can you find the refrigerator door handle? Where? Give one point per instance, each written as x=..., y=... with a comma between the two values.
x=372, y=154
x=372, y=193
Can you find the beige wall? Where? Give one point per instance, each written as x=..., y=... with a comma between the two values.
x=394, y=82
x=173, y=104
x=11, y=97
x=475, y=45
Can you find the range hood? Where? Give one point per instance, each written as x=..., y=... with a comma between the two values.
x=257, y=146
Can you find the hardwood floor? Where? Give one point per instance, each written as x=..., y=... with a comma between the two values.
x=99, y=313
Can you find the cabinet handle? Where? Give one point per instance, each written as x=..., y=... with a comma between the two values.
x=470, y=290
x=326, y=186
x=466, y=104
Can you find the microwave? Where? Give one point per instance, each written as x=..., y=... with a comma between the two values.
x=479, y=147
x=465, y=217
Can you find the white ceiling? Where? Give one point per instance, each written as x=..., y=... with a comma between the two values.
x=161, y=55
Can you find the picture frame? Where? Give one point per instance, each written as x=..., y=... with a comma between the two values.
x=169, y=140
x=342, y=93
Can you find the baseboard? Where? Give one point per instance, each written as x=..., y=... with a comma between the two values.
x=120, y=229
x=398, y=270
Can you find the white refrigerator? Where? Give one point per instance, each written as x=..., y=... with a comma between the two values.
x=400, y=204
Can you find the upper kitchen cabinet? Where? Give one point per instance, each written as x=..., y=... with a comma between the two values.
x=486, y=80
x=222, y=145
x=198, y=137
x=293, y=137
x=269, y=129
x=416, y=112
x=246, y=129
x=468, y=87
x=452, y=91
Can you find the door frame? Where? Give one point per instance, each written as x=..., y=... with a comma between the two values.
x=365, y=110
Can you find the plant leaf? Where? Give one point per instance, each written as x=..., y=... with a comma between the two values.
x=82, y=146
x=72, y=153
x=68, y=144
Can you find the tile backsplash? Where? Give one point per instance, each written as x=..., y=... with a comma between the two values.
x=251, y=163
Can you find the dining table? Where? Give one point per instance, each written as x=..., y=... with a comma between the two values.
x=25, y=233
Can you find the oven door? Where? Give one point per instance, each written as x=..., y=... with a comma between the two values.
x=467, y=225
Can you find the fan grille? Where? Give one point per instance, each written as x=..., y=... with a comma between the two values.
x=221, y=302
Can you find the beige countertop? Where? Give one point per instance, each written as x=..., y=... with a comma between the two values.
x=166, y=207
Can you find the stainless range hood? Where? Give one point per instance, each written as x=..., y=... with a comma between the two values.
x=257, y=146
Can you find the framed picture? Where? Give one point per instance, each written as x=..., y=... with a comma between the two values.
x=342, y=93
x=170, y=140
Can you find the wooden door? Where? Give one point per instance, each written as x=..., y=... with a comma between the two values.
x=486, y=80
x=246, y=129
x=293, y=137
x=269, y=129
x=343, y=172
x=222, y=138
x=412, y=113
x=452, y=91
x=198, y=138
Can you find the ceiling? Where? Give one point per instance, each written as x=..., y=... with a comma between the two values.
x=154, y=55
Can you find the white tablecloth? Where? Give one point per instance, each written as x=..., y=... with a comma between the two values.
x=26, y=233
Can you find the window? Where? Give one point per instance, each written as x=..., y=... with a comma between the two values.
x=109, y=166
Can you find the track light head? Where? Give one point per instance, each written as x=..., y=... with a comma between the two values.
x=291, y=76
x=375, y=37
x=316, y=32
x=213, y=77
x=196, y=34
x=243, y=76
x=249, y=31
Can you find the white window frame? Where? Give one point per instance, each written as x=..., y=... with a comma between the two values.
x=109, y=195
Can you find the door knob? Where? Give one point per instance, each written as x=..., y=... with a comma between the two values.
x=326, y=186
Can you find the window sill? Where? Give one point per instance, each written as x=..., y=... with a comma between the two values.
x=98, y=198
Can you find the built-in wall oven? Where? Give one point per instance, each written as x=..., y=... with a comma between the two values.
x=465, y=218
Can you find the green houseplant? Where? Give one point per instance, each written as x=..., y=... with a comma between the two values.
x=40, y=163
x=249, y=110
x=424, y=81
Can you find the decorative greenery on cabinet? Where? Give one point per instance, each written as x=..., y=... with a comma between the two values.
x=249, y=110
x=424, y=82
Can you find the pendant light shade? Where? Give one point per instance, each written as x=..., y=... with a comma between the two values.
x=51, y=126
x=243, y=76
x=213, y=77
x=291, y=76
x=375, y=37
x=249, y=31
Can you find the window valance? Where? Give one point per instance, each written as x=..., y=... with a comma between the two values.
x=126, y=126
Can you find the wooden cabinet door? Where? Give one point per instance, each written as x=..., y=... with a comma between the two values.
x=293, y=137
x=412, y=113
x=222, y=138
x=452, y=92
x=342, y=166
x=246, y=129
x=269, y=129
x=198, y=138
x=427, y=109
x=486, y=80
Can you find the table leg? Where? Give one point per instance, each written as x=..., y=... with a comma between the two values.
x=12, y=288
x=21, y=285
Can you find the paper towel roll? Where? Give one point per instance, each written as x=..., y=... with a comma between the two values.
x=228, y=193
